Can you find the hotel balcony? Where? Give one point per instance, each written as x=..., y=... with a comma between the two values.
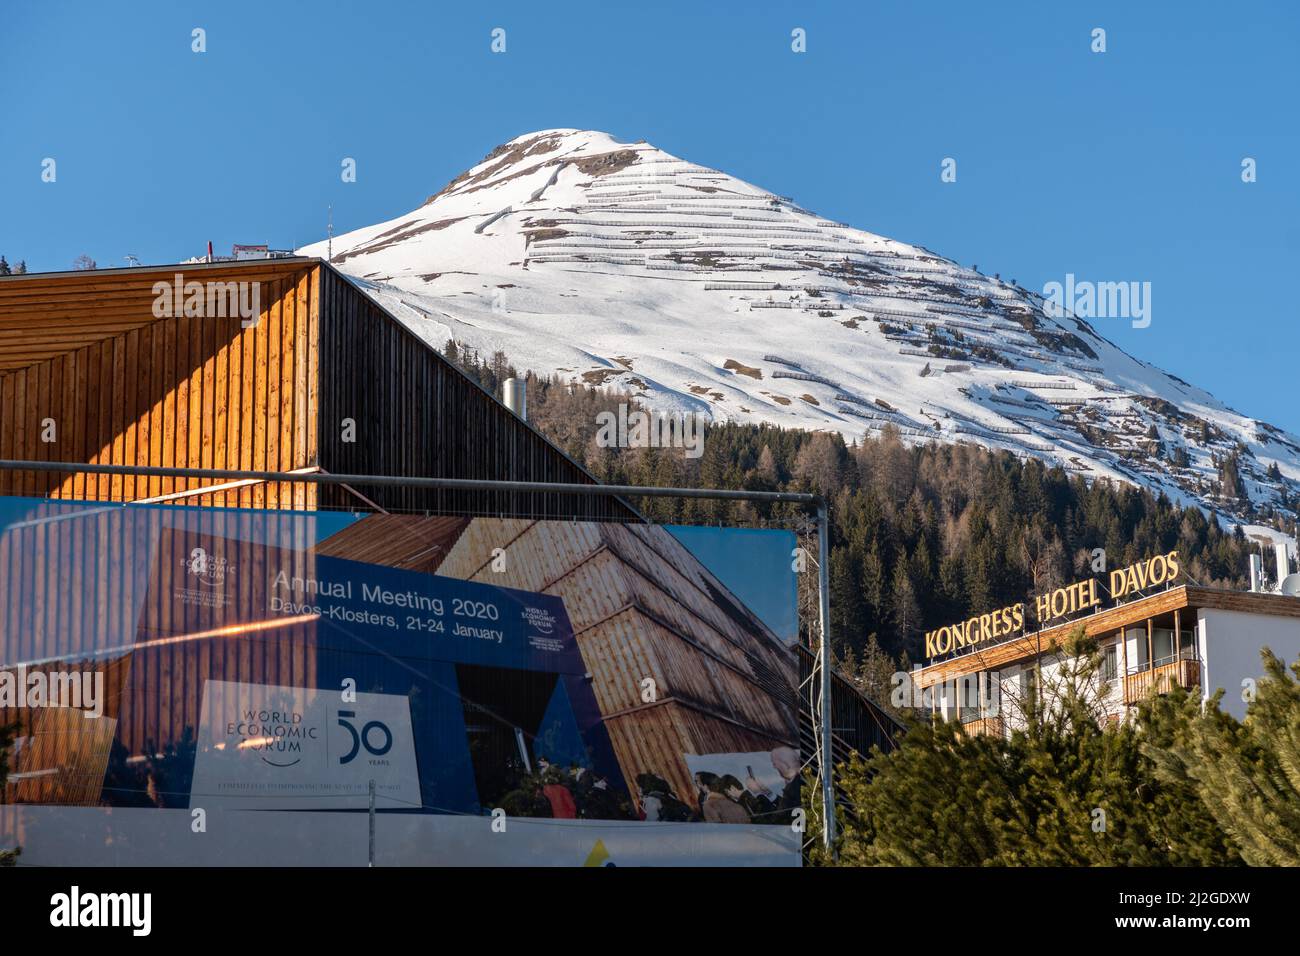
x=1181, y=671
x=992, y=726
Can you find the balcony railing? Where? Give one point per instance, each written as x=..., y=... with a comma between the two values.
x=983, y=725
x=1166, y=674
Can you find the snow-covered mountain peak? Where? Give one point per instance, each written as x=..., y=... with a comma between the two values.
x=618, y=264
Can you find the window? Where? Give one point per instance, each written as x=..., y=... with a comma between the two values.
x=992, y=694
x=980, y=695
x=1162, y=645
x=1110, y=663
x=970, y=694
x=1137, y=638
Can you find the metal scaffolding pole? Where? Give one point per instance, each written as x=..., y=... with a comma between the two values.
x=826, y=757
x=821, y=714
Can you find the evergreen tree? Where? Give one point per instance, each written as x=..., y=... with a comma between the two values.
x=973, y=529
x=873, y=592
x=929, y=803
x=873, y=672
x=1067, y=789
x=906, y=610
x=1248, y=774
x=1230, y=482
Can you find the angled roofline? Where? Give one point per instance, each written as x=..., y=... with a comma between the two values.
x=582, y=469
x=310, y=262
x=168, y=267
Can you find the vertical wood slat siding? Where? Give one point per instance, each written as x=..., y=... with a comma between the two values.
x=68, y=589
x=620, y=585
x=418, y=415
x=73, y=587
x=164, y=697
x=184, y=392
x=206, y=393
x=62, y=740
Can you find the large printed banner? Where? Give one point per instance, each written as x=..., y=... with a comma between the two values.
x=588, y=673
x=222, y=582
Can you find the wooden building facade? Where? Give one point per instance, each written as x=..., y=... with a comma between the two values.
x=93, y=370
x=123, y=366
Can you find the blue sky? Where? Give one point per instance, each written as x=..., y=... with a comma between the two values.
x=1116, y=166
x=755, y=565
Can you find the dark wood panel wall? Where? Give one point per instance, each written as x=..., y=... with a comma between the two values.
x=415, y=414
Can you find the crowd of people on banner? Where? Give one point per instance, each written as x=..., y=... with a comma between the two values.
x=577, y=793
x=724, y=797
x=566, y=793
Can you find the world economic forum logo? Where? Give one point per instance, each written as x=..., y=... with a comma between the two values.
x=211, y=570
x=374, y=736
x=287, y=735
x=540, y=620
x=278, y=734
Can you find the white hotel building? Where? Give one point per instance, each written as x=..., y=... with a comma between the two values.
x=1194, y=637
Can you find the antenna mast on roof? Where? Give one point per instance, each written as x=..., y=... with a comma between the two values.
x=329, y=231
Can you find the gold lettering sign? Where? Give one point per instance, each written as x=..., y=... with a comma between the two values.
x=975, y=630
x=1063, y=602
x=1145, y=574
x=1080, y=596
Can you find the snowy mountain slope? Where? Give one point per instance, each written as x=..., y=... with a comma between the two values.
x=618, y=264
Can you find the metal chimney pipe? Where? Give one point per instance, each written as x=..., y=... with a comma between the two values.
x=1256, y=572
x=514, y=393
